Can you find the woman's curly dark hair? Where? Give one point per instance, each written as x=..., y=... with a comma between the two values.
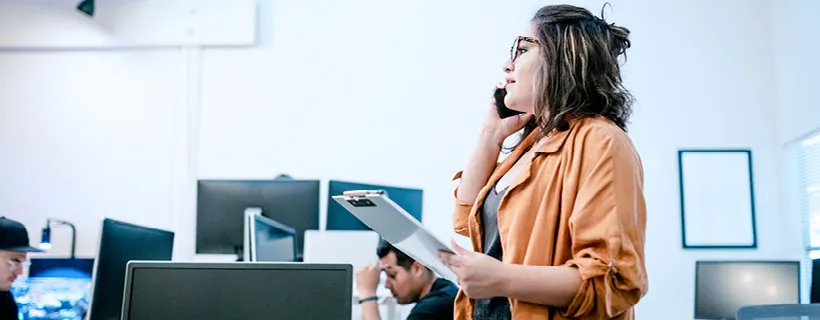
x=579, y=75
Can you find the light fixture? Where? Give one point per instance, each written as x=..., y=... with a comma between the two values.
x=45, y=242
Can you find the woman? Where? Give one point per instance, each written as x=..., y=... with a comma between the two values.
x=558, y=227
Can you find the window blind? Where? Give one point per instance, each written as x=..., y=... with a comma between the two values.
x=808, y=181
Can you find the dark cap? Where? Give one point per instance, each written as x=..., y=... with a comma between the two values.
x=14, y=237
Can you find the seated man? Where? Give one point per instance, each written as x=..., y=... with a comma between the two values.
x=13, y=253
x=409, y=282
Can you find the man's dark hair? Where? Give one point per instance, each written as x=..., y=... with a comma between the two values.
x=402, y=259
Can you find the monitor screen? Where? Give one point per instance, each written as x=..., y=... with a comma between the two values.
x=272, y=241
x=65, y=268
x=120, y=243
x=814, y=288
x=221, y=207
x=722, y=287
x=338, y=218
x=51, y=298
x=238, y=291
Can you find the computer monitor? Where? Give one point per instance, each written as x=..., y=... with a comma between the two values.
x=723, y=287
x=221, y=205
x=338, y=218
x=65, y=268
x=51, y=298
x=237, y=290
x=120, y=243
x=814, y=294
x=270, y=241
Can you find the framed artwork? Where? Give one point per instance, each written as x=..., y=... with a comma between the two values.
x=717, y=199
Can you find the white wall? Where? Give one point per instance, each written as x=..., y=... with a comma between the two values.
x=87, y=135
x=339, y=90
x=411, y=79
x=702, y=72
x=795, y=48
x=798, y=112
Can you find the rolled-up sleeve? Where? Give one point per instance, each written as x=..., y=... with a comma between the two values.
x=461, y=212
x=607, y=228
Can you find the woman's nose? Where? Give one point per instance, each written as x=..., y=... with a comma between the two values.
x=508, y=66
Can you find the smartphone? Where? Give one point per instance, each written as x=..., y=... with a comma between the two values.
x=503, y=111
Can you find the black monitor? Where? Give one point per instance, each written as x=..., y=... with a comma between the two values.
x=65, y=268
x=234, y=290
x=723, y=287
x=814, y=296
x=221, y=207
x=120, y=243
x=271, y=241
x=338, y=218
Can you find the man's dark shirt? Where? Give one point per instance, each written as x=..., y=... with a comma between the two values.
x=436, y=304
x=8, y=307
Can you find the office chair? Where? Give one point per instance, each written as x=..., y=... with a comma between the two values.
x=780, y=312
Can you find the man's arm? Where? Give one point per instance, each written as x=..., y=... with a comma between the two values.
x=370, y=310
x=367, y=281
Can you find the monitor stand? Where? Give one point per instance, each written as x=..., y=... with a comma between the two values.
x=240, y=256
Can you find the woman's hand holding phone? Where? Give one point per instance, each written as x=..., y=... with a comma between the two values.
x=499, y=128
x=485, y=155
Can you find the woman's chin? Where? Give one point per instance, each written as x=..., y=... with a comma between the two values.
x=514, y=104
x=516, y=107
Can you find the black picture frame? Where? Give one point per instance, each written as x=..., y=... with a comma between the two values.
x=686, y=240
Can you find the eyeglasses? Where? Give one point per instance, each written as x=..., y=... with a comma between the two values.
x=515, y=50
x=14, y=264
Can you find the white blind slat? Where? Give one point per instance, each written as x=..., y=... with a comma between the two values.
x=808, y=179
